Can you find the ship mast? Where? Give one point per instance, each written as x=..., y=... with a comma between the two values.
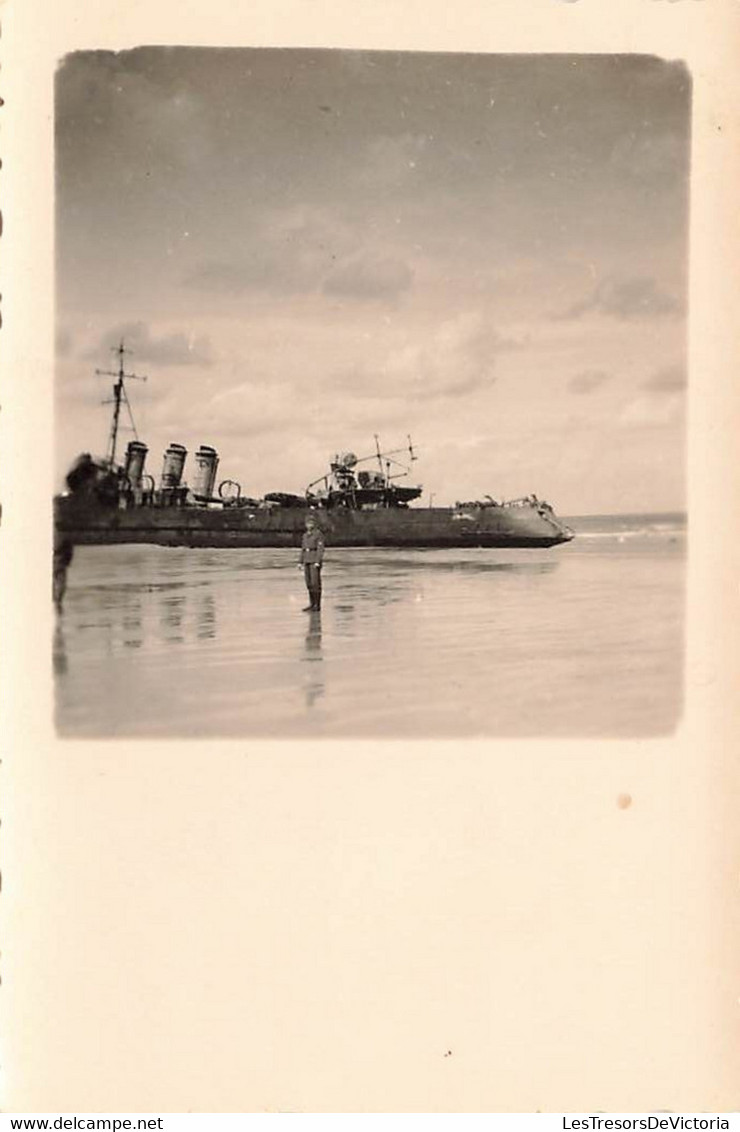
x=383, y=471
x=119, y=397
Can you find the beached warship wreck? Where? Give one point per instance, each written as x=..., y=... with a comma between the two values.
x=109, y=502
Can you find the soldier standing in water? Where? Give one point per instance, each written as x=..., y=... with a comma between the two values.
x=312, y=557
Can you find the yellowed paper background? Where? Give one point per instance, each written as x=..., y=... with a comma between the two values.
x=330, y=926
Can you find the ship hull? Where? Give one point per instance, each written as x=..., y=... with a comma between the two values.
x=84, y=521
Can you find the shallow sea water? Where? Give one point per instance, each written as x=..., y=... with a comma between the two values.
x=584, y=639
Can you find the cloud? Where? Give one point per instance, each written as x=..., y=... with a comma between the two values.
x=646, y=155
x=177, y=349
x=235, y=277
x=447, y=360
x=285, y=408
x=392, y=160
x=626, y=299
x=370, y=277
x=669, y=379
x=142, y=109
x=650, y=410
x=293, y=252
x=588, y=381
x=305, y=251
x=457, y=358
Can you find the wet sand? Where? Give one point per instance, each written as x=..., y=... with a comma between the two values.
x=579, y=640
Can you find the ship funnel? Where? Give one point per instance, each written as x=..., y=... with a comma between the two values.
x=206, y=466
x=134, y=463
x=174, y=462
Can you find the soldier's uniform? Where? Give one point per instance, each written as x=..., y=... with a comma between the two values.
x=312, y=557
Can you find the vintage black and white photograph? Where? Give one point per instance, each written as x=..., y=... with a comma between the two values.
x=370, y=394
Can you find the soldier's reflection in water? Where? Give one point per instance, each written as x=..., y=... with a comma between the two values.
x=314, y=683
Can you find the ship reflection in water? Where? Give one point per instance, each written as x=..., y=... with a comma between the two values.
x=415, y=644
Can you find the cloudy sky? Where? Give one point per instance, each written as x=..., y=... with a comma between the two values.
x=304, y=248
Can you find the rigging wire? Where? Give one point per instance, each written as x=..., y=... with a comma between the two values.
x=130, y=412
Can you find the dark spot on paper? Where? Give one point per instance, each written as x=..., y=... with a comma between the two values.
x=624, y=801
